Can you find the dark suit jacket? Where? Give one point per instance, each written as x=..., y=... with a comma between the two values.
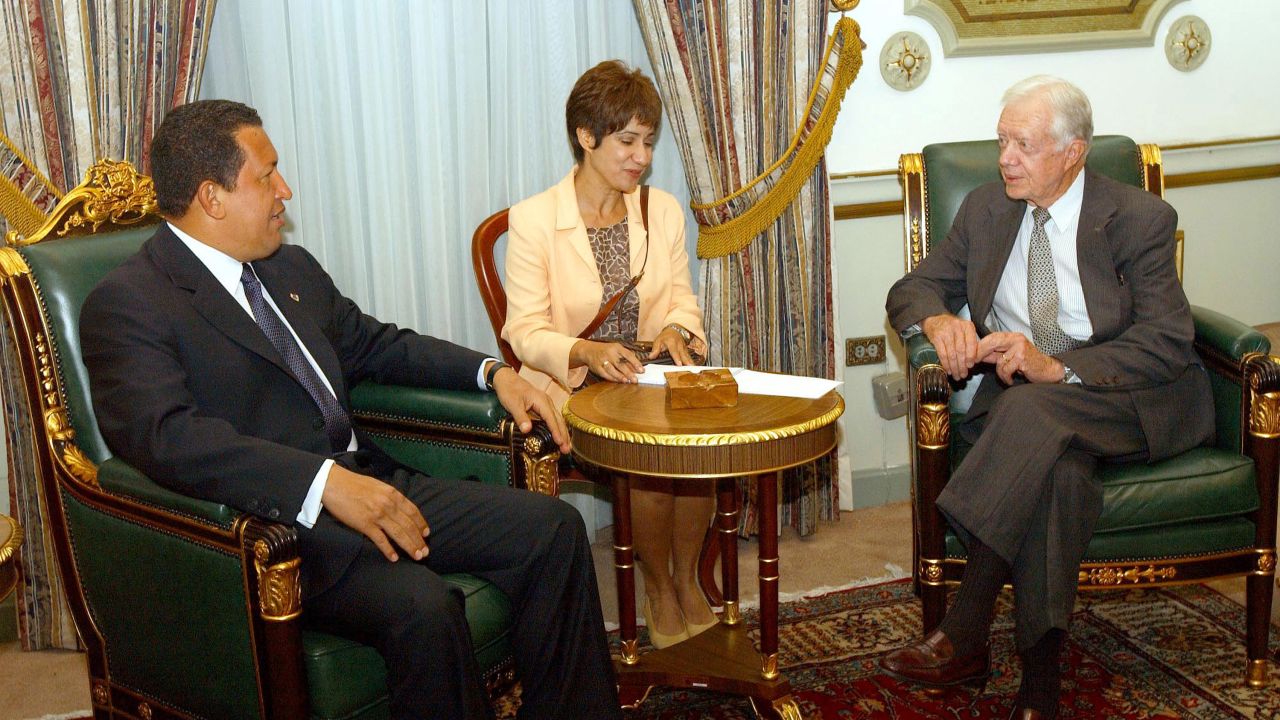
x=1142, y=327
x=188, y=389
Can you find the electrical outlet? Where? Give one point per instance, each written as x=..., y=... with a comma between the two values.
x=864, y=350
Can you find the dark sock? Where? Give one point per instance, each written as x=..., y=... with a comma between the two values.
x=968, y=622
x=1042, y=674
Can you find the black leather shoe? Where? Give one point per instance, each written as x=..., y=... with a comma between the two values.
x=1025, y=714
x=933, y=663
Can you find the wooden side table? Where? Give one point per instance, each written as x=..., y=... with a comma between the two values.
x=10, y=541
x=625, y=430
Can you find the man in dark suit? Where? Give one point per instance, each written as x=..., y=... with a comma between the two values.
x=1085, y=338
x=220, y=363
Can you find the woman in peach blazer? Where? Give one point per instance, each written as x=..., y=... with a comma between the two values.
x=569, y=249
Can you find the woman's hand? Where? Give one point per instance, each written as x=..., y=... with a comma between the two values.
x=610, y=361
x=673, y=342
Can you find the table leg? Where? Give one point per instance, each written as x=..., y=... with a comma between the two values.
x=727, y=527
x=767, y=489
x=624, y=565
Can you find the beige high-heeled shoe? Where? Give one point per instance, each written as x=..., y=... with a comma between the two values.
x=696, y=628
x=658, y=639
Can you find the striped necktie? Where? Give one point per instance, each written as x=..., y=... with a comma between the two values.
x=336, y=421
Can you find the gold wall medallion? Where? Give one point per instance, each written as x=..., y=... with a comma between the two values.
x=905, y=61
x=1188, y=43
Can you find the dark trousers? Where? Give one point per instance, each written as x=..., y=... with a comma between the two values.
x=1028, y=487
x=532, y=547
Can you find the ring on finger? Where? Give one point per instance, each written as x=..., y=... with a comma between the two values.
x=606, y=362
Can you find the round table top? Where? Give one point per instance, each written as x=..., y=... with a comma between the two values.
x=629, y=428
x=639, y=414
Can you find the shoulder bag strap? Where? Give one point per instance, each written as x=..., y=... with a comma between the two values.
x=607, y=308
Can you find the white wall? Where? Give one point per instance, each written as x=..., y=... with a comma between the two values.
x=1231, y=253
x=1134, y=90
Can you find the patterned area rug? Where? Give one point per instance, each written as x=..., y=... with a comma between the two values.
x=1170, y=653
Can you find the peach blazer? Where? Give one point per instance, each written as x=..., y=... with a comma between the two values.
x=554, y=288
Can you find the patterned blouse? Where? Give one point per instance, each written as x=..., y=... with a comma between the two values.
x=612, y=250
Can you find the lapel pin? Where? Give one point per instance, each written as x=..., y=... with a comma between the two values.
x=293, y=297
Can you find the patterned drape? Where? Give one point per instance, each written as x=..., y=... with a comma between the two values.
x=81, y=80
x=751, y=90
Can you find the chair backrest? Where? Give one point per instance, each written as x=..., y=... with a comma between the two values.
x=490, y=280
x=936, y=180
x=46, y=278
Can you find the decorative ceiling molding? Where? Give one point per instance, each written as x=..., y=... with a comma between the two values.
x=983, y=27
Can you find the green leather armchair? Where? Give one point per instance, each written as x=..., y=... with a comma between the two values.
x=188, y=608
x=1209, y=513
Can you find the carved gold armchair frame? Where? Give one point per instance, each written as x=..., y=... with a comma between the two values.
x=91, y=497
x=1246, y=385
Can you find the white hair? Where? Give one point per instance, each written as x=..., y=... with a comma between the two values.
x=1072, y=113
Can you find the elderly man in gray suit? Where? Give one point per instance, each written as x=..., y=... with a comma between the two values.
x=1085, y=338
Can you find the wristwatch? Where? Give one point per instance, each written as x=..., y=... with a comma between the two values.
x=1069, y=375
x=684, y=334
x=493, y=371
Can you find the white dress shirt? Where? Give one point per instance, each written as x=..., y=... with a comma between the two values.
x=1009, y=308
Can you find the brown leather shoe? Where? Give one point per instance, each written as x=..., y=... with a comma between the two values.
x=933, y=662
x=1025, y=714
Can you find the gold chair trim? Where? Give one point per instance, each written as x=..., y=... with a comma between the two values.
x=279, y=589
x=113, y=192
x=11, y=544
x=542, y=472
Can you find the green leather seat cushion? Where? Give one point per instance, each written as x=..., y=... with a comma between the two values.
x=1198, y=485
x=1192, y=503
x=347, y=680
x=1156, y=542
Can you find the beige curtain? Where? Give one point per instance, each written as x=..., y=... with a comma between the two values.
x=86, y=79
x=751, y=91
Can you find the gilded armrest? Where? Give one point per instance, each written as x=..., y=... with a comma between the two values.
x=456, y=433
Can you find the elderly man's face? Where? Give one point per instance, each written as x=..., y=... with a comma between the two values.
x=1033, y=167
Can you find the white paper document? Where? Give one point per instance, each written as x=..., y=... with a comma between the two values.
x=751, y=382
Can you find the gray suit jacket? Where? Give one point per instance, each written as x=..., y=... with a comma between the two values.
x=1142, y=327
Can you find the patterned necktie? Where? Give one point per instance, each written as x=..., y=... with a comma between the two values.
x=1042, y=291
x=336, y=422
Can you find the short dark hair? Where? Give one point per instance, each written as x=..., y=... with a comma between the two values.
x=196, y=142
x=606, y=98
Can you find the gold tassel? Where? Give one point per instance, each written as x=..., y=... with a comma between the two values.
x=18, y=209
x=733, y=235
